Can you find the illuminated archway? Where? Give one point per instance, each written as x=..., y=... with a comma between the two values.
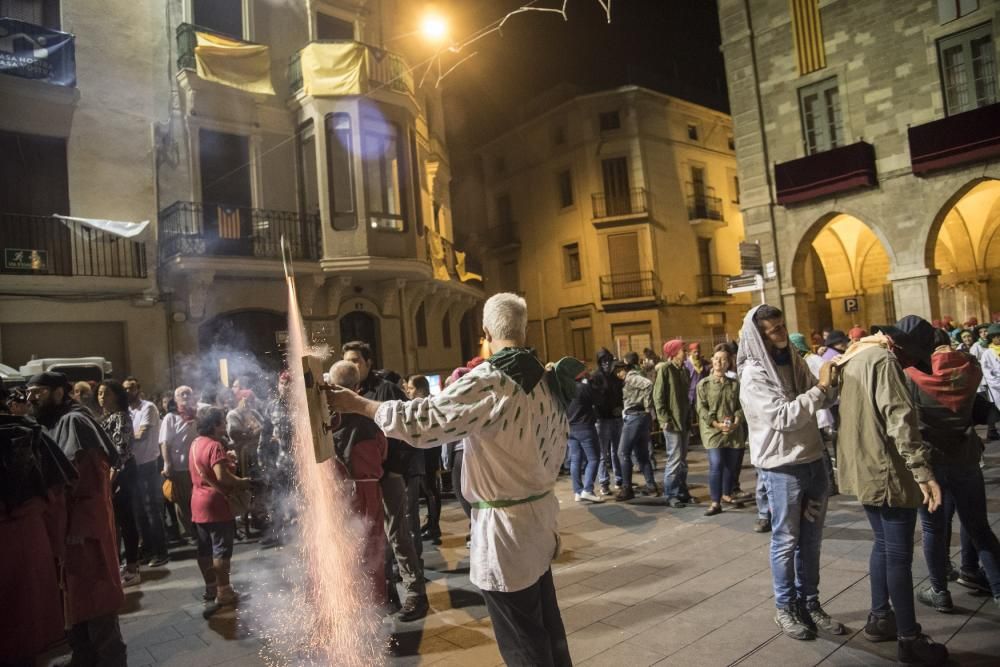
x=842, y=269
x=966, y=251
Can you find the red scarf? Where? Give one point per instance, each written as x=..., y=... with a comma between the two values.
x=955, y=376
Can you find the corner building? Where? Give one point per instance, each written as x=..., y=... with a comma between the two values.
x=616, y=213
x=868, y=139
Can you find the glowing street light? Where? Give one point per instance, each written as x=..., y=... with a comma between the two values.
x=434, y=28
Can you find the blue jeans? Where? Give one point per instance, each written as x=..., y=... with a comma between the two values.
x=609, y=434
x=635, y=442
x=795, y=541
x=148, y=508
x=723, y=469
x=890, y=566
x=583, y=453
x=675, y=467
x=963, y=487
x=763, y=509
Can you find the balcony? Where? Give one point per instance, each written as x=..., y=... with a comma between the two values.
x=376, y=69
x=193, y=229
x=444, y=261
x=827, y=173
x=35, y=52
x=703, y=205
x=712, y=286
x=503, y=237
x=38, y=245
x=222, y=60
x=630, y=291
x=616, y=207
x=972, y=136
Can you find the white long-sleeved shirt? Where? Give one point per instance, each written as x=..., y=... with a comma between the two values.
x=514, y=445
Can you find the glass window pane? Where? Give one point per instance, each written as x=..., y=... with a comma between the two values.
x=984, y=70
x=340, y=171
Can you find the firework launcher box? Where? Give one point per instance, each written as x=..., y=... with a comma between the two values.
x=319, y=411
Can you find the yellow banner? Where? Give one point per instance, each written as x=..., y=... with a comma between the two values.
x=464, y=275
x=234, y=63
x=333, y=69
x=436, y=250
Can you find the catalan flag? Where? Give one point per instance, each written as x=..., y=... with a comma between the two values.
x=808, y=34
x=229, y=223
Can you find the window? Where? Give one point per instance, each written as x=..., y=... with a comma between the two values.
x=609, y=120
x=949, y=10
x=504, y=215
x=582, y=337
x=446, y=330
x=384, y=176
x=37, y=12
x=340, y=171
x=34, y=174
x=510, y=280
x=617, y=195
x=692, y=130
x=821, y=123
x=571, y=262
x=305, y=147
x=968, y=69
x=704, y=256
x=418, y=213
x=331, y=27
x=736, y=189
x=420, y=325
x=731, y=142
x=631, y=337
x=222, y=16
x=565, y=182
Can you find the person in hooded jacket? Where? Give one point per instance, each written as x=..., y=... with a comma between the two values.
x=945, y=399
x=990, y=361
x=608, y=405
x=780, y=398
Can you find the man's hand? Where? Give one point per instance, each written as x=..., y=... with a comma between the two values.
x=812, y=510
x=932, y=494
x=165, y=473
x=826, y=375
x=349, y=401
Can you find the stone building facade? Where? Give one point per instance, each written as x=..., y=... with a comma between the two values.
x=868, y=143
x=616, y=214
x=232, y=124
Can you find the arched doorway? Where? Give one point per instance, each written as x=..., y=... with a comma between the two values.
x=242, y=344
x=359, y=325
x=966, y=252
x=842, y=269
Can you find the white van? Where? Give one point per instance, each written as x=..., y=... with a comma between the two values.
x=90, y=369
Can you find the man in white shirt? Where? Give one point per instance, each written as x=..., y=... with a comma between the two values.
x=515, y=432
x=177, y=431
x=149, y=498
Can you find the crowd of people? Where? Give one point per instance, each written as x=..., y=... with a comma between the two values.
x=99, y=482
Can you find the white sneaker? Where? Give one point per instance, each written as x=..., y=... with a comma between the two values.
x=587, y=495
x=130, y=579
x=576, y=497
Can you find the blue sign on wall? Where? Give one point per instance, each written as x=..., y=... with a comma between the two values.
x=35, y=52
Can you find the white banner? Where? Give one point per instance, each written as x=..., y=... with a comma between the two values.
x=126, y=230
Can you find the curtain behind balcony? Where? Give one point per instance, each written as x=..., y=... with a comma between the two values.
x=333, y=69
x=234, y=63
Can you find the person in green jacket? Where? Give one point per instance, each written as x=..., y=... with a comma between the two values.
x=720, y=421
x=673, y=411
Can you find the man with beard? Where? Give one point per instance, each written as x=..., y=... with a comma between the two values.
x=92, y=582
x=397, y=526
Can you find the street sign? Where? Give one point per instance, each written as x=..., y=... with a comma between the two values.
x=851, y=305
x=24, y=259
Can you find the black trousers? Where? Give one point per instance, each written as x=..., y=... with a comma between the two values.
x=528, y=625
x=97, y=643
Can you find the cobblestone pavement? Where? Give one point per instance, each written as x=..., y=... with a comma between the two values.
x=638, y=584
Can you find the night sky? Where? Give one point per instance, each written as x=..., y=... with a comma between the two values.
x=668, y=45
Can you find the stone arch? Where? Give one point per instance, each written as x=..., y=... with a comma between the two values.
x=855, y=260
x=962, y=249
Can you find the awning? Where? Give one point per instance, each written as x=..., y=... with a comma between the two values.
x=125, y=230
x=234, y=63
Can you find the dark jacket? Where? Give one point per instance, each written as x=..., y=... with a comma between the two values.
x=607, y=388
x=581, y=410
x=400, y=453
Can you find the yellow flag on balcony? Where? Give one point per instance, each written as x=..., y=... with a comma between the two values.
x=234, y=63
x=439, y=261
x=333, y=69
x=464, y=275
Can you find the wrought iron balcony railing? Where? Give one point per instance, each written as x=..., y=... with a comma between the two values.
x=187, y=41
x=712, y=284
x=703, y=205
x=383, y=69
x=46, y=245
x=196, y=229
x=610, y=205
x=634, y=285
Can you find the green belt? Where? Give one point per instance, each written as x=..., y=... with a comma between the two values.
x=497, y=504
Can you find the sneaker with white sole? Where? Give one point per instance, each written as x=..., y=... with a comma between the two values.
x=590, y=497
x=131, y=579
x=576, y=497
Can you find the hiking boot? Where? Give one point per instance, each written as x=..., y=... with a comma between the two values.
x=792, y=625
x=920, y=650
x=939, y=600
x=651, y=490
x=228, y=598
x=813, y=614
x=414, y=608
x=624, y=494
x=762, y=526
x=880, y=629
x=590, y=497
x=974, y=579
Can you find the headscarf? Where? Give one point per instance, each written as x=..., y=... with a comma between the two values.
x=672, y=347
x=799, y=341
x=699, y=363
x=752, y=352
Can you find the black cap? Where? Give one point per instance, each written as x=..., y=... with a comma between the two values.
x=837, y=337
x=915, y=337
x=50, y=379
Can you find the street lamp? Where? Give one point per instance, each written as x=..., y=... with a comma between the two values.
x=434, y=28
